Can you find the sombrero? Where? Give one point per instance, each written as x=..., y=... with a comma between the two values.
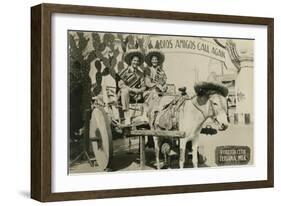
x=131, y=53
x=152, y=53
x=203, y=87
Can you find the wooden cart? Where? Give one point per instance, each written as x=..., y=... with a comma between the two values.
x=101, y=138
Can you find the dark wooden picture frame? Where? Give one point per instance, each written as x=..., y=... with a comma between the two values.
x=41, y=116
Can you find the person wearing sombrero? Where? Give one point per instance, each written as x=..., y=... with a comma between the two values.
x=154, y=74
x=155, y=84
x=130, y=80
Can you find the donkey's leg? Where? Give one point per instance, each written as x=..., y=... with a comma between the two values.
x=195, y=143
x=156, y=147
x=183, y=142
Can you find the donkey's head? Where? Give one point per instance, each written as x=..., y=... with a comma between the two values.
x=218, y=110
x=215, y=94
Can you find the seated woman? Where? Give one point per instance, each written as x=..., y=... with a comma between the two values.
x=155, y=82
x=130, y=81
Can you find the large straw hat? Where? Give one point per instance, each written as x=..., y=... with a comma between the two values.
x=204, y=87
x=131, y=53
x=154, y=52
x=212, y=85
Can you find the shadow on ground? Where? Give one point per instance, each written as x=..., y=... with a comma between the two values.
x=126, y=158
x=131, y=161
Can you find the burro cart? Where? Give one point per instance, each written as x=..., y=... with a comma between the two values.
x=103, y=126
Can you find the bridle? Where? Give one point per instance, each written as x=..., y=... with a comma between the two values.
x=212, y=116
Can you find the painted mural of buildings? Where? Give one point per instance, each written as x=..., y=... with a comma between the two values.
x=192, y=59
x=229, y=61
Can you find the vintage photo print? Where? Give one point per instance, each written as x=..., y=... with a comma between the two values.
x=153, y=102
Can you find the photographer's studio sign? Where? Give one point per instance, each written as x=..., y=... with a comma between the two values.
x=232, y=155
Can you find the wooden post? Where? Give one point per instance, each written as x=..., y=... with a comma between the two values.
x=142, y=152
x=157, y=133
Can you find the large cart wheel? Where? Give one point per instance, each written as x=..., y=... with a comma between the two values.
x=101, y=137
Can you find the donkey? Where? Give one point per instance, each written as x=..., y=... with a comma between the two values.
x=191, y=116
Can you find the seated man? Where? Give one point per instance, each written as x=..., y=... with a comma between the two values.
x=130, y=81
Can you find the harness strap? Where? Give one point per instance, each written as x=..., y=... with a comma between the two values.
x=199, y=110
x=167, y=118
x=181, y=102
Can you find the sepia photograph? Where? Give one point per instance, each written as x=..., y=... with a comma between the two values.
x=153, y=102
x=131, y=102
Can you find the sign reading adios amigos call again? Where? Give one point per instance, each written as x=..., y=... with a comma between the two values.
x=189, y=45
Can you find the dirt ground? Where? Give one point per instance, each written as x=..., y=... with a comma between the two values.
x=126, y=152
